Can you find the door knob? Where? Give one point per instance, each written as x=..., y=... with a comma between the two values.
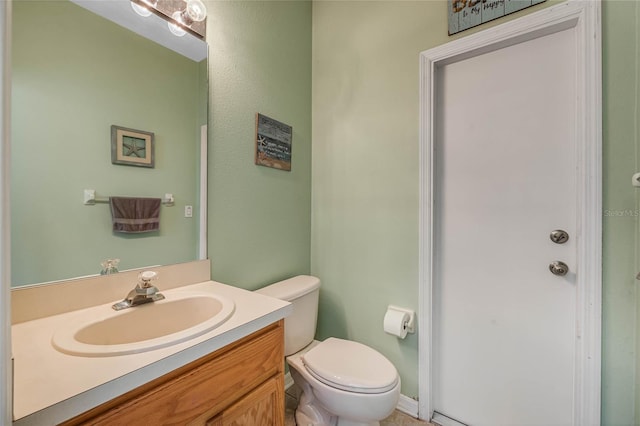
x=558, y=268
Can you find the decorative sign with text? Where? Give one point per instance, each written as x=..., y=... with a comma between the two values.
x=465, y=14
x=273, y=143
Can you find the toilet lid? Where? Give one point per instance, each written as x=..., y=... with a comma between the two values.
x=350, y=366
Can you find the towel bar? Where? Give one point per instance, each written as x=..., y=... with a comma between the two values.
x=90, y=198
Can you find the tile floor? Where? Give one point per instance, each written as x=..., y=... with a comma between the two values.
x=395, y=419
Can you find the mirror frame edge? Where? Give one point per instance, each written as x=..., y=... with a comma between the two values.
x=203, y=243
x=204, y=144
x=6, y=363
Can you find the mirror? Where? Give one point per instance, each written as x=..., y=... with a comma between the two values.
x=75, y=74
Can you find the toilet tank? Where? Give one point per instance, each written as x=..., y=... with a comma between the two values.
x=300, y=327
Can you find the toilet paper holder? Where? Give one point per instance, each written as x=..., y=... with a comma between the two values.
x=410, y=325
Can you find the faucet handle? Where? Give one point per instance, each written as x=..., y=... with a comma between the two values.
x=109, y=266
x=146, y=277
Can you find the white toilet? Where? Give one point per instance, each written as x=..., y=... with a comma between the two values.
x=343, y=382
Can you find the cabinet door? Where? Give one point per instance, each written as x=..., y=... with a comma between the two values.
x=261, y=407
x=199, y=391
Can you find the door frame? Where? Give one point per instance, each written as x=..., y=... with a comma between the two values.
x=584, y=16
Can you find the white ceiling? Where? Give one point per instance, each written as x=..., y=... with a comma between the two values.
x=152, y=27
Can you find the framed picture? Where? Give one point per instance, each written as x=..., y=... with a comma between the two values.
x=465, y=14
x=273, y=143
x=132, y=147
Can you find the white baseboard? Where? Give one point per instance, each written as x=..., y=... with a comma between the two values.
x=288, y=380
x=442, y=420
x=408, y=406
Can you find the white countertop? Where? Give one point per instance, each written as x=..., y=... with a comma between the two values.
x=50, y=387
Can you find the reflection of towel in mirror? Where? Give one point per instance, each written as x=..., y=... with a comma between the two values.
x=135, y=215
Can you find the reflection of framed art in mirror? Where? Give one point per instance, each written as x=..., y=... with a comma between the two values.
x=132, y=147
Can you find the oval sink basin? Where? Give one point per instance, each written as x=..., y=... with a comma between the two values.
x=179, y=317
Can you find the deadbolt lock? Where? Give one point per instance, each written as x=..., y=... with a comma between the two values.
x=559, y=236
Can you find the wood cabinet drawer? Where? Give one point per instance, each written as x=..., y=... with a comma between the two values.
x=198, y=391
x=261, y=407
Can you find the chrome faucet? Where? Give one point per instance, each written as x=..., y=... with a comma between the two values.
x=144, y=292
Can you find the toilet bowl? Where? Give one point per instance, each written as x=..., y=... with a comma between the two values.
x=343, y=382
x=362, y=389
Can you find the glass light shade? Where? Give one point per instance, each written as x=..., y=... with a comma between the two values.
x=174, y=28
x=140, y=10
x=196, y=10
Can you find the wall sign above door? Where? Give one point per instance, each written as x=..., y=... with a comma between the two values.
x=465, y=14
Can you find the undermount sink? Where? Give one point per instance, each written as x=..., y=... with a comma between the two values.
x=179, y=317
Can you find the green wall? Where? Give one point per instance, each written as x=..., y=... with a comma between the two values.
x=365, y=174
x=365, y=165
x=620, y=219
x=259, y=218
x=74, y=75
x=365, y=177
x=356, y=225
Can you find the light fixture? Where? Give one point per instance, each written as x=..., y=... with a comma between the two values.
x=195, y=11
x=182, y=16
x=140, y=10
x=175, y=28
x=143, y=7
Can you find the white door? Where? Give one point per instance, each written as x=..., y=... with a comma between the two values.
x=505, y=177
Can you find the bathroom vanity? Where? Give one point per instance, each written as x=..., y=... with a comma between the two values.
x=241, y=383
x=225, y=375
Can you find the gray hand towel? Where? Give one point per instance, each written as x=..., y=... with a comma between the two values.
x=135, y=215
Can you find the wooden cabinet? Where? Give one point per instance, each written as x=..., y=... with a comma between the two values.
x=260, y=407
x=240, y=384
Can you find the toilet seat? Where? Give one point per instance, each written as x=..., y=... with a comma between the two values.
x=350, y=366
